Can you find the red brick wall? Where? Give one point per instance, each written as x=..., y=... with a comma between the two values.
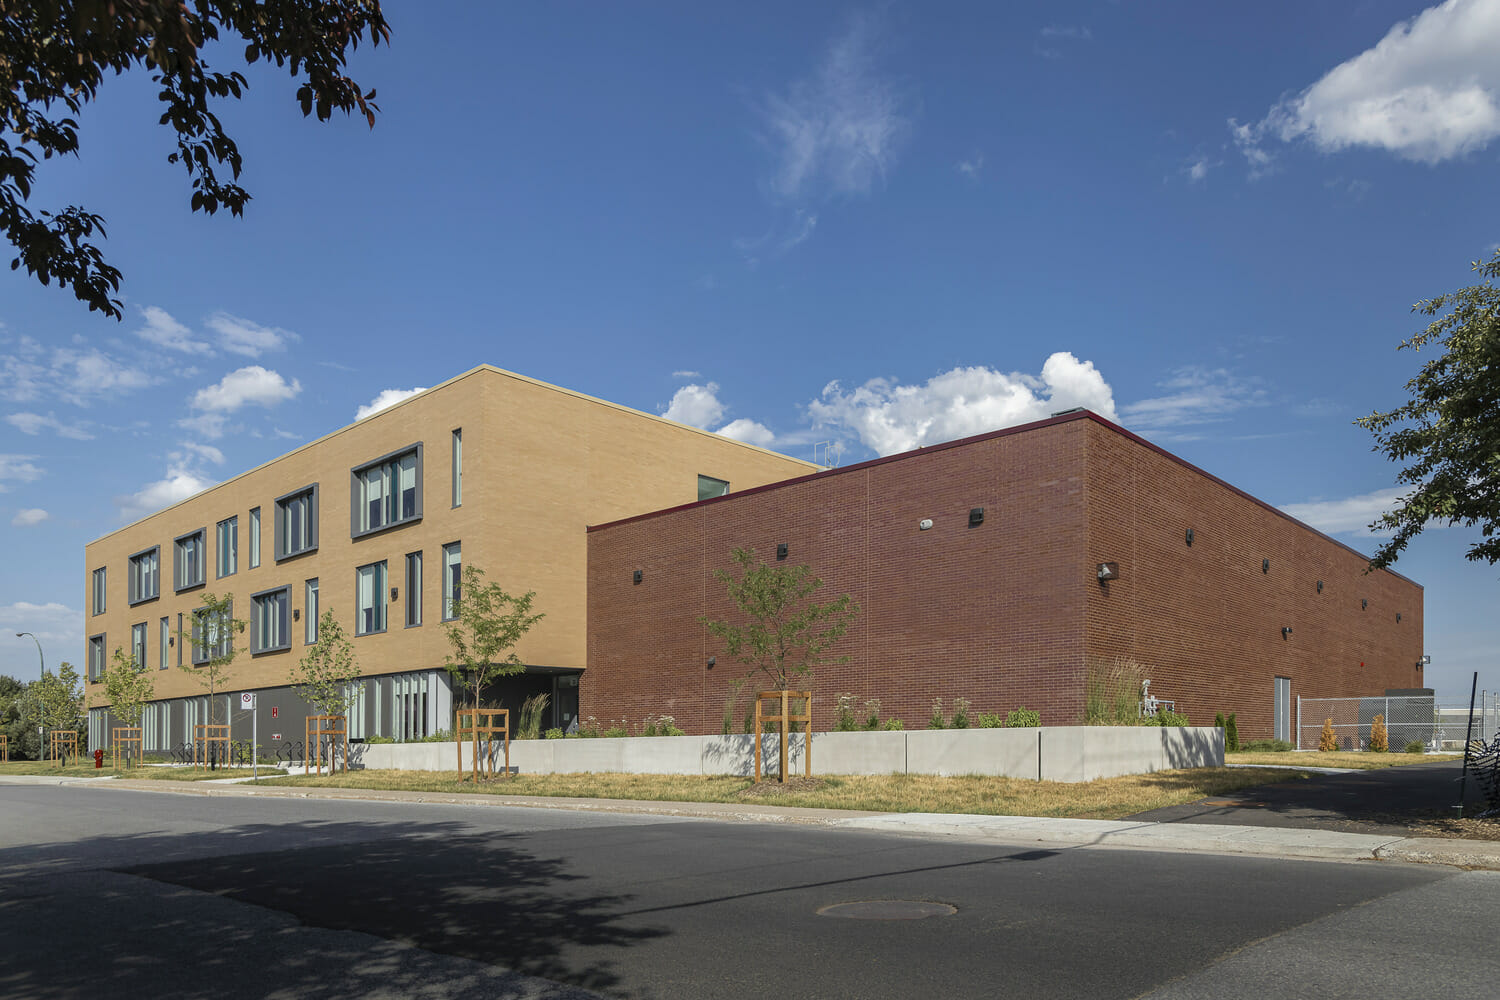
x=1010, y=612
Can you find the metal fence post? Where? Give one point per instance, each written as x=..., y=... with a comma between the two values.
x=1299, y=722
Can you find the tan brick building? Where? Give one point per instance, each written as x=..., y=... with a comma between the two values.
x=373, y=522
x=1232, y=605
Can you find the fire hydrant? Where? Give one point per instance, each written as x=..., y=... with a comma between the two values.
x=98, y=759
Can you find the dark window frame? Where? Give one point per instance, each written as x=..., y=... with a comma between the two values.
x=355, y=531
x=278, y=529
x=256, y=649
x=132, y=597
x=179, y=584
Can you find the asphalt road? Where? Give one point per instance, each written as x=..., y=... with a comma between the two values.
x=120, y=893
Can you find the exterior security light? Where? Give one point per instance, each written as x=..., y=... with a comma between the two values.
x=1190, y=537
x=976, y=516
x=781, y=550
x=393, y=593
x=1320, y=586
x=924, y=524
x=1364, y=603
x=635, y=577
x=1108, y=571
x=711, y=661
x=1265, y=565
x=1286, y=631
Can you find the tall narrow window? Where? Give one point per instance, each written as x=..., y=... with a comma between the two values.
x=144, y=583
x=310, y=626
x=96, y=657
x=181, y=640
x=254, y=537
x=370, y=599
x=458, y=467
x=138, y=645
x=386, y=492
x=188, y=559
x=413, y=589
x=270, y=620
x=452, y=577
x=228, y=544
x=99, y=581
x=297, y=523
x=163, y=643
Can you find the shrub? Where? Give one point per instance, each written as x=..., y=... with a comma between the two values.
x=892, y=725
x=531, y=716
x=1379, y=740
x=844, y=721
x=989, y=720
x=1112, y=693
x=1023, y=718
x=1329, y=740
x=729, y=706
x=1218, y=720
x=1266, y=746
x=589, y=728
x=872, y=714
x=615, y=732
x=1165, y=718
x=960, y=714
x=1232, y=734
x=936, y=722
x=554, y=734
x=1416, y=746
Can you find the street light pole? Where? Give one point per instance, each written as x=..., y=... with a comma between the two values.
x=41, y=729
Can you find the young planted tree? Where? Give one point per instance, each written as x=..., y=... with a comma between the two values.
x=128, y=687
x=1328, y=740
x=1380, y=741
x=59, y=699
x=785, y=635
x=487, y=623
x=325, y=676
x=212, y=639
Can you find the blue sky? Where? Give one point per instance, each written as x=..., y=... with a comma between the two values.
x=881, y=226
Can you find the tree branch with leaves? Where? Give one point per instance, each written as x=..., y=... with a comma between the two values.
x=212, y=638
x=325, y=676
x=1449, y=431
x=487, y=623
x=128, y=687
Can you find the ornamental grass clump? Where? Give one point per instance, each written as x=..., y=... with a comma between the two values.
x=1112, y=692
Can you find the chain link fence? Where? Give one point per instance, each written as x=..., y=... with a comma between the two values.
x=1421, y=719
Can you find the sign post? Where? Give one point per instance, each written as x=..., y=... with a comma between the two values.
x=247, y=703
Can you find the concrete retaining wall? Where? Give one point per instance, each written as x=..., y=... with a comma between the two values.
x=1062, y=753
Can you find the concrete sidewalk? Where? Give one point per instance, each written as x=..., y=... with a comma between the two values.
x=1021, y=831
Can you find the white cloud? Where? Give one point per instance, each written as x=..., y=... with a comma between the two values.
x=84, y=374
x=18, y=468
x=837, y=131
x=28, y=517
x=890, y=418
x=248, y=386
x=1428, y=91
x=163, y=330
x=971, y=167
x=1346, y=516
x=57, y=628
x=185, y=477
x=241, y=336
x=386, y=399
x=697, y=405
x=1196, y=395
x=35, y=423
x=687, y=374
x=748, y=431
x=1198, y=167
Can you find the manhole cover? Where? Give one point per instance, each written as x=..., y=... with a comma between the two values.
x=887, y=909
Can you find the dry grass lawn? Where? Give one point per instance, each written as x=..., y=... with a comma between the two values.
x=1356, y=759
x=87, y=770
x=1106, y=798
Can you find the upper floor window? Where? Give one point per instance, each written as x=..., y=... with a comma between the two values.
x=369, y=599
x=413, y=589
x=271, y=620
x=709, y=487
x=297, y=522
x=96, y=657
x=99, y=580
x=189, y=558
x=254, y=537
x=212, y=636
x=144, y=583
x=453, y=577
x=227, y=539
x=386, y=492
x=138, y=645
x=458, y=467
x=310, y=609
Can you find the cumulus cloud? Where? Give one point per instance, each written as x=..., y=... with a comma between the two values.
x=1428, y=91
x=82, y=375
x=17, y=468
x=163, y=330
x=35, y=423
x=838, y=130
x=697, y=405
x=241, y=336
x=185, y=477
x=28, y=517
x=1195, y=395
x=57, y=628
x=748, y=431
x=248, y=386
x=1346, y=515
x=386, y=399
x=888, y=417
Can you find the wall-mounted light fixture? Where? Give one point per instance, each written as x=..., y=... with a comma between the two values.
x=781, y=550
x=1286, y=632
x=1426, y=658
x=1364, y=604
x=924, y=524
x=635, y=577
x=1398, y=618
x=394, y=593
x=1189, y=537
x=296, y=614
x=171, y=640
x=976, y=516
x=711, y=661
x=1320, y=586
x=1108, y=571
x=1265, y=565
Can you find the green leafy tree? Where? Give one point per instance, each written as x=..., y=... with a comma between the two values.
x=1449, y=431
x=785, y=634
x=55, y=54
x=325, y=676
x=59, y=699
x=487, y=623
x=214, y=650
x=128, y=686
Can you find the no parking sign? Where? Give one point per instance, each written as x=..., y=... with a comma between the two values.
x=247, y=700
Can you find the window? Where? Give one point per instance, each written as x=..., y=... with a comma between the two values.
x=212, y=637
x=452, y=577
x=709, y=487
x=458, y=467
x=99, y=577
x=310, y=609
x=96, y=656
x=144, y=583
x=297, y=523
x=370, y=599
x=386, y=492
x=228, y=547
x=254, y=537
x=138, y=645
x=271, y=620
x=413, y=589
x=180, y=636
x=163, y=643
x=188, y=559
